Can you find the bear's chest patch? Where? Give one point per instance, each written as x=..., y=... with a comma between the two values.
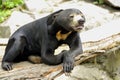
x=61, y=36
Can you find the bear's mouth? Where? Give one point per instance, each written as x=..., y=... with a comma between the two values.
x=79, y=27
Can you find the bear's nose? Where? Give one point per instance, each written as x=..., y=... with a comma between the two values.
x=81, y=21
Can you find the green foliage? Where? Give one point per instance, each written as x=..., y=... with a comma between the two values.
x=6, y=6
x=0, y=2
x=4, y=14
x=9, y=4
x=99, y=2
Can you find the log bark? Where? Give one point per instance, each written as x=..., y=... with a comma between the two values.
x=98, y=41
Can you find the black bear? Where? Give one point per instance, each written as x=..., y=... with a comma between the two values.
x=41, y=37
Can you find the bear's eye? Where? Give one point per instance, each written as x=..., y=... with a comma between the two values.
x=71, y=16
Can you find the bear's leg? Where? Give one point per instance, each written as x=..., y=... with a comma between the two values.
x=14, y=48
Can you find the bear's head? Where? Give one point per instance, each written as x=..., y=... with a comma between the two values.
x=69, y=19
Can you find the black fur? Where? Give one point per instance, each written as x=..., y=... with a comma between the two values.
x=39, y=38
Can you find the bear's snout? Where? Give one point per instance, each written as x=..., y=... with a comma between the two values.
x=81, y=21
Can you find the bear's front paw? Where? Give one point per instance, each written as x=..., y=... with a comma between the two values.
x=68, y=65
x=7, y=66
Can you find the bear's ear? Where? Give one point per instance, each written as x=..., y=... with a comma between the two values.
x=51, y=17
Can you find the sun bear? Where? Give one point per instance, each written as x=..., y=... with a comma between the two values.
x=38, y=40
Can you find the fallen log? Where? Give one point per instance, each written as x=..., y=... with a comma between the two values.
x=98, y=41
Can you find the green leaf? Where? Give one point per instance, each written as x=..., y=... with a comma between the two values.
x=2, y=19
x=0, y=2
x=99, y=2
x=6, y=6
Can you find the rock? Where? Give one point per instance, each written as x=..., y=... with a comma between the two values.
x=54, y=2
x=4, y=31
x=114, y=3
x=104, y=31
x=86, y=72
x=16, y=20
x=112, y=64
x=37, y=6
